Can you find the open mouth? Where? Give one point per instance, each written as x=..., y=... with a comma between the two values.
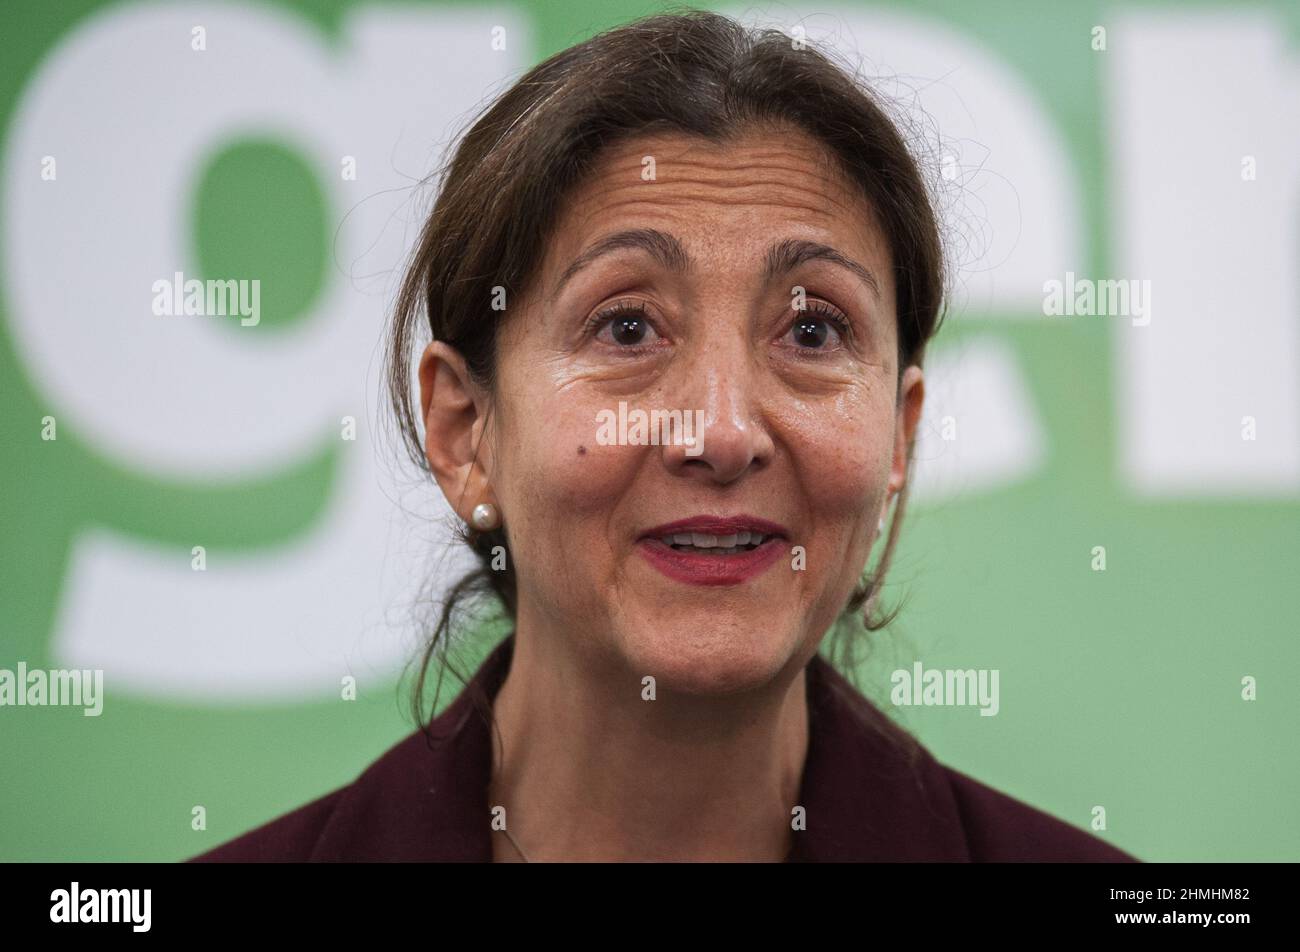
x=714, y=550
x=704, y=544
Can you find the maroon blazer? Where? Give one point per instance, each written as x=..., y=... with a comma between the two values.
x=428, y=803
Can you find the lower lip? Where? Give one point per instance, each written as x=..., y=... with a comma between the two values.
x=699, y=569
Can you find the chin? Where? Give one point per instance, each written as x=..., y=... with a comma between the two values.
x=704, y=659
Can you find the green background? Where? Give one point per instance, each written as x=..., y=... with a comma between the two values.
x=1119, y=688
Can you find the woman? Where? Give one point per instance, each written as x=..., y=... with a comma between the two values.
x=716, y=231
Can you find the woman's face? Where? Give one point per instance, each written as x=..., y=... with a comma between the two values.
x=802, y=431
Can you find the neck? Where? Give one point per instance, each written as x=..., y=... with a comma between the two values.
x=587, y=770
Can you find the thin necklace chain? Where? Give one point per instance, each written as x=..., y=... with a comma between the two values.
x=517, y=847
x=520, y=851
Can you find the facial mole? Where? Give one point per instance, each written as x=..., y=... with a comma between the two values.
x=582, y=450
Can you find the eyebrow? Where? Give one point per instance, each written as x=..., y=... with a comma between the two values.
x=782, y=257
x=787, y=255
x=664, y=248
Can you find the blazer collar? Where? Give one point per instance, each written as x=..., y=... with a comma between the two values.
x=864, y=799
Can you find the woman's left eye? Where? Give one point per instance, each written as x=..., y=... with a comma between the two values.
x=819, y=327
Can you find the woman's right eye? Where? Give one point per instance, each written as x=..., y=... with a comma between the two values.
x=626, y=326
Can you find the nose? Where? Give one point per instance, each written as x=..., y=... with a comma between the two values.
x=721, y=401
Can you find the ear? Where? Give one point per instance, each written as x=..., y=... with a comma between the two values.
x=911, y=395
x=454, y=409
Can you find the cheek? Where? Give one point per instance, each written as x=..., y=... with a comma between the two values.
x=563, y=484
x=842, y=451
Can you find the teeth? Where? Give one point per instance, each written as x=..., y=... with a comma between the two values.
x=721, y=545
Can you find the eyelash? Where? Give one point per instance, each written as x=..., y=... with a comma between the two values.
x=819, y=309
x=831, y=315
x=593, y=324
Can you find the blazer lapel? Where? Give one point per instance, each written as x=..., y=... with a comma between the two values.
x=425, y=800
x=870, y=792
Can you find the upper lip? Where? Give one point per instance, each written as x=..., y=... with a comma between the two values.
x=717, y=525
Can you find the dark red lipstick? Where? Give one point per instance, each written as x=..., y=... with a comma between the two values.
x=758, y=545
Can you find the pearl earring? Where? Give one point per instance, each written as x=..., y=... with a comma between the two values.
x=485, y=517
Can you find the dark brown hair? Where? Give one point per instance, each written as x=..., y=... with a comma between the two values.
x=692, y=72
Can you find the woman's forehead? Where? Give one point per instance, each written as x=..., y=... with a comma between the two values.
x=786, y=169
x=749, y=189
